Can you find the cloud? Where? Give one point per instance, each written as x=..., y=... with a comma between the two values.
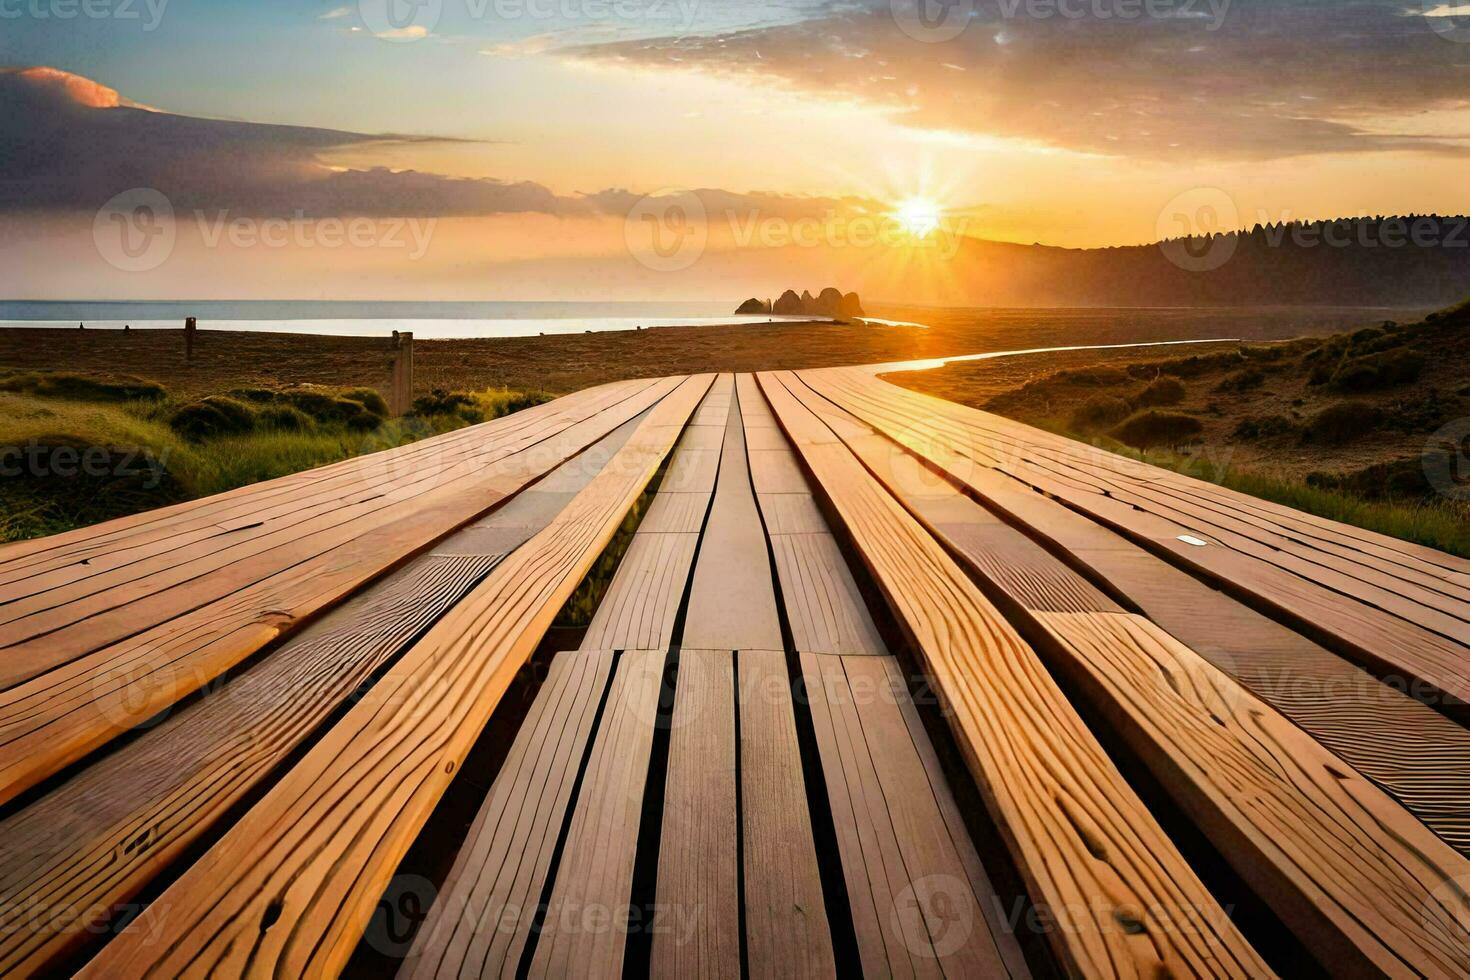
x=1203, y=79
x=336, y=13
x=70, y=144
x=412, y=32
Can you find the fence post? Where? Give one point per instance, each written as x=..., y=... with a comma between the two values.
x=190, y=325
x=400, y=399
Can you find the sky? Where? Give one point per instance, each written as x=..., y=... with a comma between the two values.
x=689, y=149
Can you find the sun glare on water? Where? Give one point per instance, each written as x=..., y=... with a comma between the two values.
x=917, y=216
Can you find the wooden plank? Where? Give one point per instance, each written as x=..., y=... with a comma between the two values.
x=824, y=608
x=481, y=921
x=1321, y=844
x=1357, y=540
x=826, y=612
x=55, y=718
x=119, y=550
x=1361, y=882
x=786, y=930
x=922, y=904
x=168, y=526
x=732, y=602
x=310, y=861
x=1384, y=642
x=80, y=847
x=642, y=602
x=585, y=928
x=1415, y=753
x=93, y=843
x=1092, y=854
x=698, y=887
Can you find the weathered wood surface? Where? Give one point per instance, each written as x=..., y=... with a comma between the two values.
x=698, y=863
x=1390, y=632
x=1350, y=870
x=1091, y=852
x=732, y=603
x=824, y=608
x=92, y=845
x=291, y=886
x=103, y=679
x=639, y=609
x=481, y=921
x=586, y=922
x=734, y=702
x=922, y=904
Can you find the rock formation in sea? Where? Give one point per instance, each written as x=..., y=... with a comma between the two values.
x=831, y=303
x=788, y=305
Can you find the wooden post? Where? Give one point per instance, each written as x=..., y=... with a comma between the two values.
x=400, y=398
x=190, y=325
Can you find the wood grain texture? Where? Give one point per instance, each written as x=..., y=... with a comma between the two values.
x=698, y=891
x=111, y=578
x=920, y=899
x=826, y=612
x=641, y=603
x=481, y=921
x=92, y=844
x=155, y=531
x=963, y=441
x=732, y=601
x=786, y=929
x=57, y=717
x=585, y=930
x=1090, y=851
x=1361, y=882
x=291, y=886
x=1321, y=844
x=1415, y=753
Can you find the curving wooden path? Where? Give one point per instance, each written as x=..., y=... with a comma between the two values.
x=881, y=685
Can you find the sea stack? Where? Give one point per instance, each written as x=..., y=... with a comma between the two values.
x=788, y=305
x=753, y=305
x=851, y=307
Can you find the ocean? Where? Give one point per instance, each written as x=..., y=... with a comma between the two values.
x=427, y=321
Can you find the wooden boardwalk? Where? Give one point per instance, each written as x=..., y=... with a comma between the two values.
x=880, y=685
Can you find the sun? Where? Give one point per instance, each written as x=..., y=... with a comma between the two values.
x=917, y=216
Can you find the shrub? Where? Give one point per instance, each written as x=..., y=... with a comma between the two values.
x=82, y=387
x=1395, y=479
x=1247, y=380
x=257, y=395
x=1341, y=423
x=441, y=402
x=1099, y=412
x=368, y=399
x=1155, y=428
x=1095, y=377
x=1263, y=427
x=212, y=417
x=1161, y=391
x=363, y=421
x=286, y=418
x=1390, y=367
x=325, y=406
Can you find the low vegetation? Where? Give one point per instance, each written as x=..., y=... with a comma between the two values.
x=76, y=449
x=1342, y=426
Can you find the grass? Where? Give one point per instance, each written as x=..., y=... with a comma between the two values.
x=75, y=450
x=1439, y=523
